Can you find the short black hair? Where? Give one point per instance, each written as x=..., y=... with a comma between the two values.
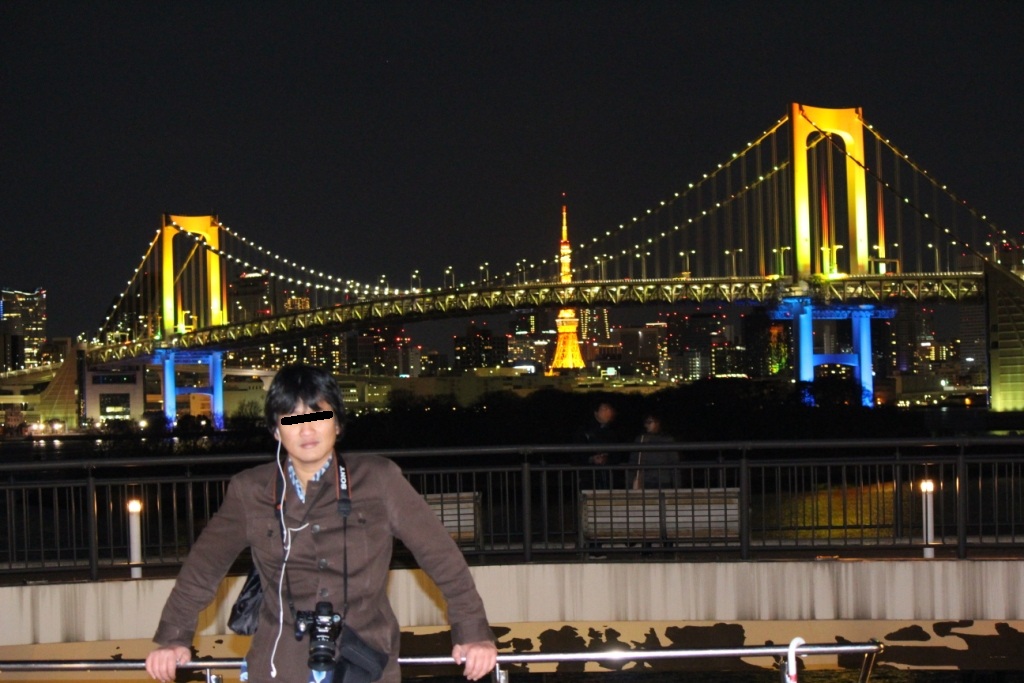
x=299, y=383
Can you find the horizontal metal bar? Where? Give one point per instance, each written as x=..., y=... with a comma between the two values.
x=525, y=658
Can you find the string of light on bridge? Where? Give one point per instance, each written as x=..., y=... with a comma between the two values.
x=741, y=205
x=735, y=196
x=350, y=285
x=696, y=187
x=952, y=195
x=131, y=281
x=906, y=200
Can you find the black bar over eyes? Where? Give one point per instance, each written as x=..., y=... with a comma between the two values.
x=308, y=417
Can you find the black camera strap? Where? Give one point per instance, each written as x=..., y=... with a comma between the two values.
x=344, y=509
x=341, y=493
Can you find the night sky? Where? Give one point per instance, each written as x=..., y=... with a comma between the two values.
x=371, y=138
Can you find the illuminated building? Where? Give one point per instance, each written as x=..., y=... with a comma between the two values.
x=767, y=343
x=973, y=343
x=595, y=325
x=296, y=303
x=531, y=338
x=433, y=363
x=27, y=311
x=250, y=297
x=382, y=350
x=12, y=346
x=567, y=347
x=698, y=345
x=479, y=348
x=640, y=347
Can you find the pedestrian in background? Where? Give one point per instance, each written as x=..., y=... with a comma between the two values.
x=659, y=471
x=600, y=430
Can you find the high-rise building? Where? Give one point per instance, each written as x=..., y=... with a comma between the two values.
x=640, y=347
x=705, y=339
x=384, y=350
x=973, y=344
x=26, y=310
x=250, y=297
x=433, y=363
x=767, y=342
x=327, y=350
x=595, y=325
x=12, y=346
x=531, y=337
x=479, y=348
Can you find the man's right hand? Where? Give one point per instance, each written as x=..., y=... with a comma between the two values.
x=162, y=663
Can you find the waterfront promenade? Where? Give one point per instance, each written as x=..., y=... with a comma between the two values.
x=829, y=549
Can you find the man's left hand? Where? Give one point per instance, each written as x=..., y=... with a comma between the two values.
x=479, y=658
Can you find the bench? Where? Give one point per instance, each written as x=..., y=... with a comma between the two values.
x=459, y=512
x=659, y=515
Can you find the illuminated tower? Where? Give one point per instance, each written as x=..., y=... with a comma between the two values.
x=567, y=349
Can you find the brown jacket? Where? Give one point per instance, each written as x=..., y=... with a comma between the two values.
x=384, y=507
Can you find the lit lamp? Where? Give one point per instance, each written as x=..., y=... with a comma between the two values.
x=928, y=516
x=135, y=537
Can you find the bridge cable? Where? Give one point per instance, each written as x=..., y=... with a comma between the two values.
x=914, y=205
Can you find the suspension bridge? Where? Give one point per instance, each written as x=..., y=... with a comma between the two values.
x=819, y=217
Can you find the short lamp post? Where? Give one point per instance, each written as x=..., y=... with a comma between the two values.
x=781, y=255
x=135, y=537
x=731, y=253
x=685, y=256
x=928, y=516
x=938, y=264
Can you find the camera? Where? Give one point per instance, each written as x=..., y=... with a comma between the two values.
x=323, y=625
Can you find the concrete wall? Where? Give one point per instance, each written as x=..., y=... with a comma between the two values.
x=916, y=603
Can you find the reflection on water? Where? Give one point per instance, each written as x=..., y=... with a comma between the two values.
x=85, y=446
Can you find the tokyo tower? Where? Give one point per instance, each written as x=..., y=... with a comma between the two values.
x=567, y=349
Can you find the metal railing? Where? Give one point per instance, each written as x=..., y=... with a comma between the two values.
x=850, y=498
x=785, y=656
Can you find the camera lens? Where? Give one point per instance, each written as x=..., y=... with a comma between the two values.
x=321, y=656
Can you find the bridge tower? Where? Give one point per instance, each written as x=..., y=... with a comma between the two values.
x=567, y=348
x=807, y=123
x=173, y=315
x=848, y=124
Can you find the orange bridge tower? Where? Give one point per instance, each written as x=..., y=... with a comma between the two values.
x=567, y=349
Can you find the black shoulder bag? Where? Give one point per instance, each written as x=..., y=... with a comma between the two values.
x=245, y=613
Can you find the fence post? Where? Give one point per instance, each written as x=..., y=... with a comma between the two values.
x=744, y=507
x=190, y=519
x=897, y=503
x=527, y=513
x=92, y=513
x=961, y=505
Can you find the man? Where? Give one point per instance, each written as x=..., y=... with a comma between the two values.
x=321, y=529
x=600, y=431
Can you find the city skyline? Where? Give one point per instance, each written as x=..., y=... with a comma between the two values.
x=368, y=140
